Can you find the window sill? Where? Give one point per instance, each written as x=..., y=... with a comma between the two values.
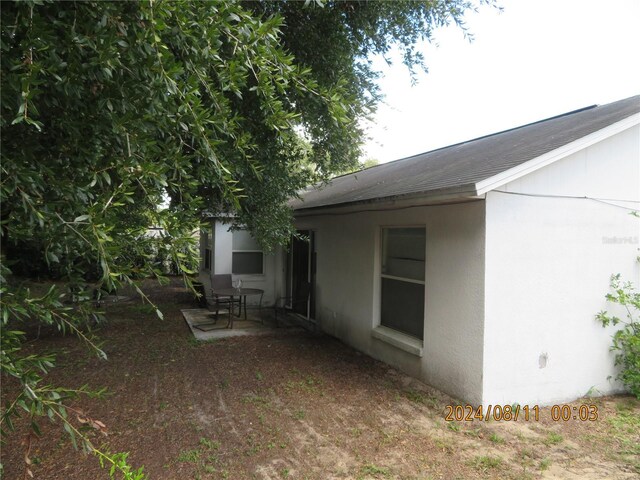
x=399, y=340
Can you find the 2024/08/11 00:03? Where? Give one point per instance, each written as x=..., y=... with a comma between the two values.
x=516, y=412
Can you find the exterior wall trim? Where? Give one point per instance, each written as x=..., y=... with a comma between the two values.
x=399, y=340
x=553, y=156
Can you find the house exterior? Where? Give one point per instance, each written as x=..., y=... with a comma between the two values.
x=225, y=251
x=477, y=267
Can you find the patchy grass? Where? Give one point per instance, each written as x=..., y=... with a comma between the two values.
x=293, y=406
x=205, y=458
x=308, y=384
x=625, y=432
x=454, y=426
x=485, y=463
x=374, y=470
x=544, y=464
x=422, y=399
x=210, y=444
x=189, y=456
x=255, y=399
x=444, y=445
x=553, y=438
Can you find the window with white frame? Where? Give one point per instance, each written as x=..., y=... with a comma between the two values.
x=403, y=279
x=247, y=256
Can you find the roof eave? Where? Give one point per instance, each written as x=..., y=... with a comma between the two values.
x=553, y=156
x=458, y=194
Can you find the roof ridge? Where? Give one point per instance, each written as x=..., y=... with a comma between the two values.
x=566, y=114
x=381, y=169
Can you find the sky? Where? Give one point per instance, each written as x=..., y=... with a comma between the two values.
x=535, y=60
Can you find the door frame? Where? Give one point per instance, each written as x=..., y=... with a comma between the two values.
x=306, y=269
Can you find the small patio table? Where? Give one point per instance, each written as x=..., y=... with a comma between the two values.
x=238, y=292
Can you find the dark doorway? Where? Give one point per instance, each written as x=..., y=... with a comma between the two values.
x=301, y=273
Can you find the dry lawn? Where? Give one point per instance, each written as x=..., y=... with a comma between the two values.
x=297, y=406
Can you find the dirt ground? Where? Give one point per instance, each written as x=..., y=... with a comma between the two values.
x=295, y=405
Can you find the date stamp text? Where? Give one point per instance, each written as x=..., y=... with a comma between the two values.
x=514, y=413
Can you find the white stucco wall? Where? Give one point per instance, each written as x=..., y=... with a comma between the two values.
x=222, y=261
x=348, y=289
x=222, y=248
x=548, y=263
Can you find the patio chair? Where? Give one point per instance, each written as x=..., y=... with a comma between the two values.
x=220, y=282
x=218, y=302
x=285, y=304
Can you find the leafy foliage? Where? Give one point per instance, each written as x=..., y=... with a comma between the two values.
x=626, y=340
x=109, y=109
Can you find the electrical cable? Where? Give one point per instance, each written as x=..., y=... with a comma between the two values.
x=606, y=201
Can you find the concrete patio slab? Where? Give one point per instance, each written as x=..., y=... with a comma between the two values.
x=241, y=327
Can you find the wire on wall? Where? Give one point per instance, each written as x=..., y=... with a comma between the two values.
x=606, y=201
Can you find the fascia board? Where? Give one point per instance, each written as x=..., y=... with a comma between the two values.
x=457, y=195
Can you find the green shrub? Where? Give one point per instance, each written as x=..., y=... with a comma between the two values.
x=626, y=341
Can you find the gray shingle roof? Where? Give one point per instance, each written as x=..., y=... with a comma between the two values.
x=459, y=167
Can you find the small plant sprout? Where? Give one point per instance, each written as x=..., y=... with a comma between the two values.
x=553, y=439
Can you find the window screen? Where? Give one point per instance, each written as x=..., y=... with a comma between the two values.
x=242, y=240
x=247, y=256
x=402, y=283
x=246, y=262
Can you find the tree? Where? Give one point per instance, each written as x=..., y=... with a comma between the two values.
x=110, y=107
